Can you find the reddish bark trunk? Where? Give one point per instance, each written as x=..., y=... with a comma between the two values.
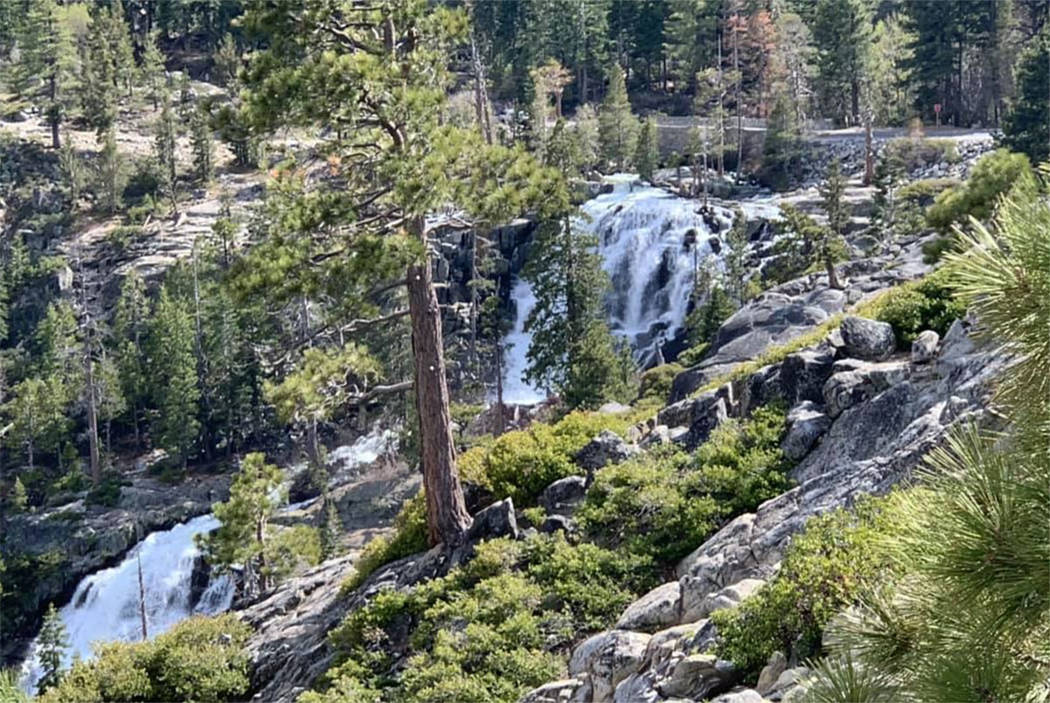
x=447, y=516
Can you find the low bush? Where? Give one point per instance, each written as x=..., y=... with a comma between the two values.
x=488, y=631
x=521, y=464
x=992, y=176
x=200, y=659
x=913, y=154
x=409, y=537
x=927, y=304
x=822, y=573
x=656, y=382
x=665, y=504
x=924, y=191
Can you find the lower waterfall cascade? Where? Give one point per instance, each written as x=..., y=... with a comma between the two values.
x=105, y=606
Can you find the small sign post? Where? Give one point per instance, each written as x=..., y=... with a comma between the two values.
x=937, y=112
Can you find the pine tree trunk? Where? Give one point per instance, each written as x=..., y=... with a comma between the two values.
x=92, y=418
x=447, y=517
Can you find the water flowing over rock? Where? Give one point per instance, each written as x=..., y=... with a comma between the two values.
x=106, y=605
x=650, y=242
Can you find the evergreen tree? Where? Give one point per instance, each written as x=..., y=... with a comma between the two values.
x=113, y=24
x=99, y=78
x=173, y=374
x=45, y=64
x=203, y=147
x=164, y=150
x=130, y=329
x=244, y=519
x=587, y=138
x=703, y=322
x=832, y=194
x=417, y=166
x=227, y=61
x=572, y=350
x=646, y=152
x=735, y=258
x=18, y=501
x=52, y=644
x=782, y=150
x=72, y=173
x=152, y=68
x=617, y=126
x=842, y=36
x=37, y=417
x=112, y=174
x=1026, y=127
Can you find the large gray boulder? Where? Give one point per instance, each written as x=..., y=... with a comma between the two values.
x=608, y=658
x=698, y=603
x=699, y=676
x=867, y=339
x=562, y=496
x=806, y=423
x=606, y=448
x=655, y=610
x=924, y=348
x=802, y=375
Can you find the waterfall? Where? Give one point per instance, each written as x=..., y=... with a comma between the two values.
x=105, y=605
x=644, y=238
x=516, y=391
x=651, y=242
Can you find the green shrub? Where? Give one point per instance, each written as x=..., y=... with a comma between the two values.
x=290, y=549
x=410, y=537
x=992, y=176
x=821, y=574
x=521, y=464
x=200, y=659
x=656, y=382
x=924, y=191
x=927, y=304
x=911, y=154
x=107, y=493
x=666, y=503
x=591, y=583
x=484, y=632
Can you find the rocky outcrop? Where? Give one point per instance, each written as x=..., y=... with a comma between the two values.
x=868, y=427
x=607, y=448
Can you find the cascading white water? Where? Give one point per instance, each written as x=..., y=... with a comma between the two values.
x=651, y=243
x=516, y=390
x=105, y=606
x=642, y=236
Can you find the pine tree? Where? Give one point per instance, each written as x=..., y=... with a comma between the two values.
x=587, y=140
x=72, y=173
x=842, y=36
x=782, y=150
x=99, y=78
x=331, y=527
x=736, y=258
x=151, y=69
x=37, y=415
x=164, y=150
x=418, y=165
x=617, y=126
x=572, y=350
x=115, y=27
x=203, y=147
x=130, y=329
x=112, y=174
x=1026, y=127
x=646, y=152
x=46, y=62
x=227, y=61
x=173, y=374
x=52, y=644
x=832, y=194
x=244, y=519
x=18, y=501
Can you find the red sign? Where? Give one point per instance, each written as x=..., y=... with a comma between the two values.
x=937, y=108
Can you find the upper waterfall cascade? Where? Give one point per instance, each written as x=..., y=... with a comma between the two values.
x=651, y=243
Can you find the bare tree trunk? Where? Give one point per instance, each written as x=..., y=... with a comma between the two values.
x=142, y=601
x=721, y=114
x=833, y=279
x=202, y=361
x=260, y=539
x=739, y=102
x=869, y=154
x=447, y=517
x=92, y=418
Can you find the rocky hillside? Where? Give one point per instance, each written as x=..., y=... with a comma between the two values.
x=863, y=407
